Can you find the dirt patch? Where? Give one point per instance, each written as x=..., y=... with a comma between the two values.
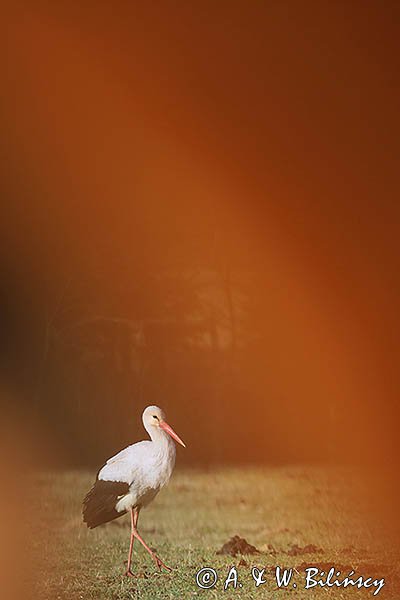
x=296, y=550
x=237, y=545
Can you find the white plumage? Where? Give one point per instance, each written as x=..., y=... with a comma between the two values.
x=145, y=466
x=131, y=479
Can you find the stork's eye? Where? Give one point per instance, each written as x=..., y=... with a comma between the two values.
x=155, y=417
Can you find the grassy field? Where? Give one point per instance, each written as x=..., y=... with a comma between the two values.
x=281, y=511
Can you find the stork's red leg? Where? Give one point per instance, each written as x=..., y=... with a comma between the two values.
x=158, y=561
x=134, y=520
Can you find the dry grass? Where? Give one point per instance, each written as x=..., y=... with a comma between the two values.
x=273, y=508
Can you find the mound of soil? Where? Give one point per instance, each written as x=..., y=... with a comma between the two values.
x=237, y=545
x=296, y=550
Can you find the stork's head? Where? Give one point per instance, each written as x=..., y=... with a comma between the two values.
x=154, y=419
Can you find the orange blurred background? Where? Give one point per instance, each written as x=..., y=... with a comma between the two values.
x=201, y=211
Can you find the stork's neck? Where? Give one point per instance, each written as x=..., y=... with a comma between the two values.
x=160, y=438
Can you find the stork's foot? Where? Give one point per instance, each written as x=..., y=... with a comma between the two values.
x=160, y=564
x=128, y=573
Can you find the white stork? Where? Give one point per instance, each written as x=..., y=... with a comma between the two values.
x=132, y=478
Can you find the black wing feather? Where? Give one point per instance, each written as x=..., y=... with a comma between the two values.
x=99, y=503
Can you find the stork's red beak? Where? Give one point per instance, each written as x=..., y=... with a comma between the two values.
x=171, y=432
